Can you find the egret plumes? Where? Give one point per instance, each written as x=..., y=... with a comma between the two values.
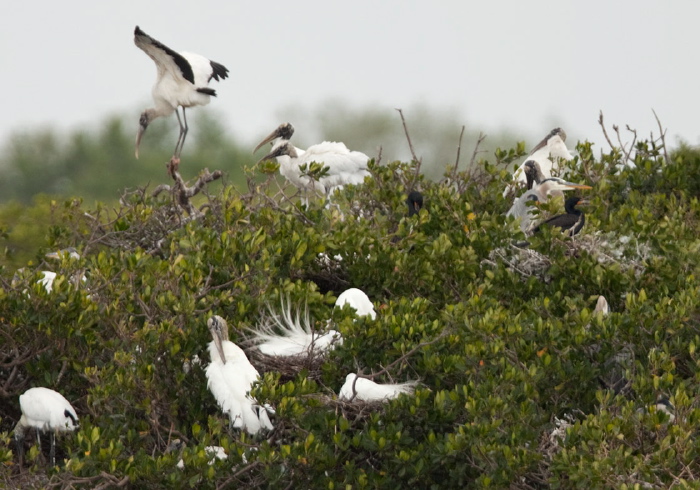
x=357, y=388
x=284, y=334
x=45, y=410
x=343, y=166
x=230, y=378
x=182, y=81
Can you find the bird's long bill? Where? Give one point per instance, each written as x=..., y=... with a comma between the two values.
x=268, y=138
x=571, y=185
x=220, y=348
x=273, y=154
x=139, y=135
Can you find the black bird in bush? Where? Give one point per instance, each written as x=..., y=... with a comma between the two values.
x=414, y=202
x=571, y=222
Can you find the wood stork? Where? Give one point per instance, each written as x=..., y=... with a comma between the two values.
x=284, y=335
x=344, y=166
x=414, y=202
x=230, y=377
x=357, y=388
x=357, y=299
x=540, y=190
x=572, y=222
x=551, y=149
x=44, y=410
x=183, y=80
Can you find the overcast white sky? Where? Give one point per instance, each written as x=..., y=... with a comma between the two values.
x=522, y=65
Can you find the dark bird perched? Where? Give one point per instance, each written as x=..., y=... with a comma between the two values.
x=571, y=222
x=414, y=202
x=182, y=81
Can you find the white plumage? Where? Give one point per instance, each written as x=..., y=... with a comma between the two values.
x=230, y=377
x=357, y=299
x=548, y=151
x=285, y=335
x=44, y=410
x=183, y=81
x=369, y=391
x=344, y=166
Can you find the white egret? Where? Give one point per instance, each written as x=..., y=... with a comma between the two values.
x=182, y=81
x=357, y=388
x=358, y=300
x=344, y=166
x=46, y=411
x=230, y=377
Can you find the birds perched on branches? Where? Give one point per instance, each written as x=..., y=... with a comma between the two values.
x=414, y=201
x=230, y=377
x=551, y=149
x=571, y=222
x=45, y=410
x=343, y=166
x=540, y=189
x=182, y=81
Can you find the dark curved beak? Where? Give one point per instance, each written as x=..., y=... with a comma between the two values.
x=268, y=138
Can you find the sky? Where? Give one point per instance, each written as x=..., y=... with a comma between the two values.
x=522, y=66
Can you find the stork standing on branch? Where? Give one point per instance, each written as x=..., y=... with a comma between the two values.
x=183, y=80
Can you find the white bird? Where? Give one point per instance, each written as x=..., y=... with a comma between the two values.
x=358, y=300
x=363, y=389
x=344, y=166
x=230, y=377
x=540, y=189
x=183, y=81
x=284, y=335
x=44, y=410
x=601, y=306
x=548, y=151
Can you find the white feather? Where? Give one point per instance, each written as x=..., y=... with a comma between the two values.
x=45, y=409
x=295, y=337
x=369, y=391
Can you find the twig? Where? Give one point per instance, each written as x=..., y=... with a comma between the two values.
x=378, y=160
x=476, y=151
x=605, y=133
x=663, y=137
x=459, y=150
x=182, y=193
x=413, y=153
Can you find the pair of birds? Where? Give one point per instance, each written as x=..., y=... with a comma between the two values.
x=535, y=173
x=183, y=81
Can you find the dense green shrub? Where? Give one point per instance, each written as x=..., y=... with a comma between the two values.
x=505, y=351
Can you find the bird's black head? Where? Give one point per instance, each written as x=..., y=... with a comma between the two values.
x=532, y=173
x=285, y=131
x=414, y=202
x=571, y=203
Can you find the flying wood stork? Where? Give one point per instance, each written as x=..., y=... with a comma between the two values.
x=183, y=80
x=344, y=166
x=572, y=222
x=44, y=410
x=357, y=388
x=539, y=191
x=230, y=377
x=551, y=149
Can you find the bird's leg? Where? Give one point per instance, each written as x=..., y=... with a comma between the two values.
x=52, y=453
x=183, y=133
x=19, y=442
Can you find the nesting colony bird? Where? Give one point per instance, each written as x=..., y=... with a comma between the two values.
x=357, y=299
x=357, y=388
x=551, y=149
x=46, y=411
x=540, y=189
x=285, y=335
x=230, y=377
x=182, y=81
x=572, y=222
x=414, y=202
x=344, y=166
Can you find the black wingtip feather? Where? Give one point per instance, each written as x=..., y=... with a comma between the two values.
x=207, y=91
x=138, y=31
x=218, y=71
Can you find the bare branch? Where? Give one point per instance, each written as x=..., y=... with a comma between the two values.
x=605, y=133
x=662, y=132
x=459, y=150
